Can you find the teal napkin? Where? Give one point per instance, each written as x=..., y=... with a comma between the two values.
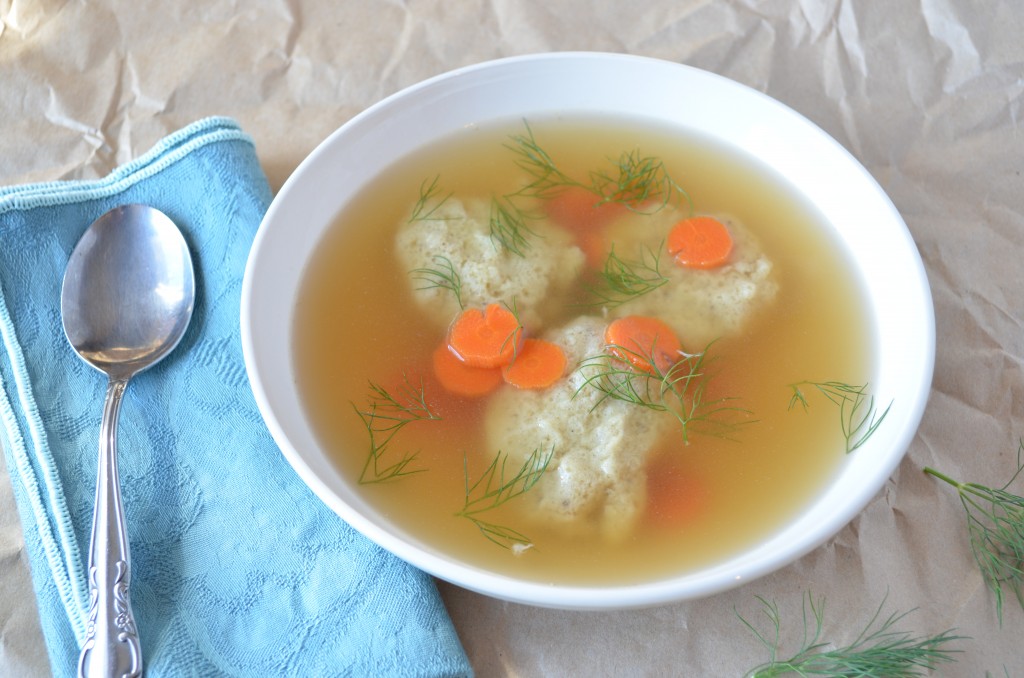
x=237, y=568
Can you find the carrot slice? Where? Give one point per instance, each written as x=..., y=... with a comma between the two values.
x=539, y=364
x=675, y=496
x=700, y=242
x=582, y=213
x=579, y=209
x=459, y=378
x=488, y=338
x=645, y=343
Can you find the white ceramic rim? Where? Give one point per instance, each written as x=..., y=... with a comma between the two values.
x=861, y=214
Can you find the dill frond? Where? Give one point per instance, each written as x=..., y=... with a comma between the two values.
x=622, y=280
x=493, y=489
x=678, y=390
x=516, y=336
x=429, y=201
x=547, y=179
x=637, y=181
x=879, y=649
x=387, y=415
x=443, y=276
x=508, y=226
x=641, y=183
x=995, y=523
x=858, y=416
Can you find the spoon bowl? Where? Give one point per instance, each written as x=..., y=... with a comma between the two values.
x=128, y=290
x=126, y=301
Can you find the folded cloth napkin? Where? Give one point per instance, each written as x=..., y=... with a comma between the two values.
x=237, y=568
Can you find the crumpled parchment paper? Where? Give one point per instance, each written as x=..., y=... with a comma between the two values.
x=927, y=95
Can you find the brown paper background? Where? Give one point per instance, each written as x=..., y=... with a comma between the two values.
x=926, y=94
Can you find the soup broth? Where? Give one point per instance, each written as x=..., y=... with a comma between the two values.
x=359, y=326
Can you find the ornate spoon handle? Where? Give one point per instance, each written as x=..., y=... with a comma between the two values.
x=112, y=642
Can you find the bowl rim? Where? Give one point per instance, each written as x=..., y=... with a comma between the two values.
x=750, y=565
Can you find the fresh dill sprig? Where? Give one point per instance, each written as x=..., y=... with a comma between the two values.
x=516, y=335
x=494, y=489
x=443, y=276
x=995, y=522
x=408, y=406
x=508, y=222
x=858, y=416
x=678, y=390
x=641, y=183
x=429, y=201
x=637, y=181
x=547, y=179
x=622, y=280
x=386, y=416
x=508, y=226
x=879, y=650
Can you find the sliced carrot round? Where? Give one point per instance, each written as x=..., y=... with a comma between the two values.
x=539, y=364
x=578, y=209
x=700, y=242
x=644, y=342
x=675, y=496
x=487, y=338
x=582, y=213
x=459, y=378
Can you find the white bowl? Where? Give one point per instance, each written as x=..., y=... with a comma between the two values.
x=864, y=219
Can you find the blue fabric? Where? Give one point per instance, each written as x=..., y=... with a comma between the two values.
x=237, y=568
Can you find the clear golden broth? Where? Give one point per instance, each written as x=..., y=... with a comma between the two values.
x=357, y=323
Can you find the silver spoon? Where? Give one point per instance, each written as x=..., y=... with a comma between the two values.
x=126, y=301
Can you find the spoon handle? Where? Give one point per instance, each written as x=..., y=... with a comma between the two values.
x=112, y=642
